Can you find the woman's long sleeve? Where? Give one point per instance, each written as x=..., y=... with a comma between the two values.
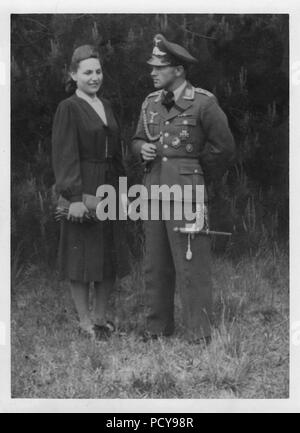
x=118, y=156
x=65, y=153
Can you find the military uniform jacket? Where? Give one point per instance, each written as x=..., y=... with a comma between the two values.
x=193, y=139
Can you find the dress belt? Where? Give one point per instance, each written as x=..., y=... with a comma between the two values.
x=97, y=160
x=180, y=156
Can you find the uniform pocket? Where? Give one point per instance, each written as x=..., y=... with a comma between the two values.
x=186, y=121
x=191, y=170
x=191, y=175
x=153, y=127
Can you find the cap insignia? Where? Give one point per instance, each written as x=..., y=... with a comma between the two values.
x=157, y=52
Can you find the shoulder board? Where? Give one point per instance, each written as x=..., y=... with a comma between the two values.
x=203, y=91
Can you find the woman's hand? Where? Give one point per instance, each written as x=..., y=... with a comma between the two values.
x=77, y=210
x=148, y=151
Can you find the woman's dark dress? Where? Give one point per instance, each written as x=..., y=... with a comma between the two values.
x=87, y=153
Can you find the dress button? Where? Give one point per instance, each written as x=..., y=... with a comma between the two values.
x=167, y=122
x=166, y=146
x=167, y=134
x=185, y=122
x=165, y=159
x=196, y=170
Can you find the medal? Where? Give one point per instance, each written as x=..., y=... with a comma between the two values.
x=189, y=148
x=176, y=142
x=184, y=134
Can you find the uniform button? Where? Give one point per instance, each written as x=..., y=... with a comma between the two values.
x=167, y=134
x=196, y=170
x=185, y=122
x=165, y=159
x=167, y=122
x=166, y=146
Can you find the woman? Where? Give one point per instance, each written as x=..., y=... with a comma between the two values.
x=86, y=152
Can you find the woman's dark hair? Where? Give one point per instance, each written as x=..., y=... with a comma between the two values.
x=80, y=53
x=70, y=85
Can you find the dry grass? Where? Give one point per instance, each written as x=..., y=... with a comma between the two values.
x=248, y=356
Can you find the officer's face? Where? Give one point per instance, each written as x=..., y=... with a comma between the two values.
x=88, y=76
x=164, y=76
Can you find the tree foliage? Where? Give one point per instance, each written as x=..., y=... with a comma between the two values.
x=243, y=59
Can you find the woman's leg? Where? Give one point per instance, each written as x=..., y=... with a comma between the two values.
x=103, y=290
x=80, y=295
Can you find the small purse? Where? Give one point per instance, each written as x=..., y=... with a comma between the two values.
x=61, y=207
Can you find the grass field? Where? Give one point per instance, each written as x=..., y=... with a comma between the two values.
x=248, y=356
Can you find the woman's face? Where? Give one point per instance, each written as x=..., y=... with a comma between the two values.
x=89, y=76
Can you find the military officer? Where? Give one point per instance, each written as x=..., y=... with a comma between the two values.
x=183, y=138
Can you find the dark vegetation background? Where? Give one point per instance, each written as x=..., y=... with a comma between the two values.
x=243, y=60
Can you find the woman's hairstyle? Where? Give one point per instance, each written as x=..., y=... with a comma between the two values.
x=80, y=53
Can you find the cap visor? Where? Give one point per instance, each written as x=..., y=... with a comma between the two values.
x=157, y=62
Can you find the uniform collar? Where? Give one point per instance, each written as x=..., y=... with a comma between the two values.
x=177, y=92
x=189, y=93
x=86, y=97
x=184, y=101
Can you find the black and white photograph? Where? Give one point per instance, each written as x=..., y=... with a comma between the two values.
x=150, y=206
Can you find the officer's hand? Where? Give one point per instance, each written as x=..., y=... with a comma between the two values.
x=77, y=210
x=148, y=151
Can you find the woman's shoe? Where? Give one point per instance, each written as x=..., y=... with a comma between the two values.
x=147, y=336
x=104, y=332
x=86, y=330
x=204, y=341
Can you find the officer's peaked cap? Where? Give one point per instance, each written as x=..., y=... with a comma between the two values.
x=167, y=53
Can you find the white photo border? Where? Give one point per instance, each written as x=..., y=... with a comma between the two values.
x=291, y=404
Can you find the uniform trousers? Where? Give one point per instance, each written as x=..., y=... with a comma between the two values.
x=166, y=266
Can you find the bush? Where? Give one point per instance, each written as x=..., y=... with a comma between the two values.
x=243, y=60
